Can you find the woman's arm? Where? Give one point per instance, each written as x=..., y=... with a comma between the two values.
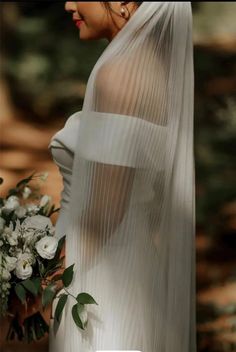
x=112, y=185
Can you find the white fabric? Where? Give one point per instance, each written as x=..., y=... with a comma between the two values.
x=128, y=168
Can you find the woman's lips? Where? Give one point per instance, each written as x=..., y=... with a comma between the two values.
x=78, y=23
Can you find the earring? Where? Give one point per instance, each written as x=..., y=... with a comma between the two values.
x=122, y=10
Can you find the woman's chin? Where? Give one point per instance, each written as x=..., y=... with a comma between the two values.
x=84, y=35
x=87, y=36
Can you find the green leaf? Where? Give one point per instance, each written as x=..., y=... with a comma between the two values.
x=30, y=286
x=20, y=292
x=12, y=192
x=53, y=267
x=76, y=318
x=48, y=294
x=37, y=283
x=59, y=308
x=81, y=311
x=24, y=181
x=41, y=267
x=85, y=298
x=52, y=263
x=67, y=275
x=59, y=246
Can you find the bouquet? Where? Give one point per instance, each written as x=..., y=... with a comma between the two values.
x=32, y=268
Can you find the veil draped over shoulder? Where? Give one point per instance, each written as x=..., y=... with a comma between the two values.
x=131, y=230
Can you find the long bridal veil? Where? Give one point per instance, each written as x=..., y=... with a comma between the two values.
x=131, y=230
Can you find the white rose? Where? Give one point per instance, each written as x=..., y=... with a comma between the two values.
x=20, y=212
x=13, y=251
x=26, y=192
x=23, y=268
x=5, y=274
x=47, y=246
x=10, y=263
x=1, y=243
x=12, y=238
x=12, y=203
x=37, y=222
x=8, y=229
x=32, y=208
x=2, y=224
x=28, y=235
x=45, y=200
x=26, y=256
x=10, y=235
x=5, y=286
x=18, y=252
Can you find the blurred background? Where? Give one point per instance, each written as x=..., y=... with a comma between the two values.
x=44, y=70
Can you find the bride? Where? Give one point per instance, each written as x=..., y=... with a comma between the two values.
x=128, y=202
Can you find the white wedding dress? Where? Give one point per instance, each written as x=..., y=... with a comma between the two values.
x=106, y=282
x=103, y=276
x=62, y=146
x=128, y=203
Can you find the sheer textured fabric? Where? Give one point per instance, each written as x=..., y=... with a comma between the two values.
x=131, y=224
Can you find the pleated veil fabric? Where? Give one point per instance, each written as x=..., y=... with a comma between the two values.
x=131, y=230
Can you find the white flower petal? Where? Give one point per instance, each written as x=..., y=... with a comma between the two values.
x=47, y=246
x=23, y=269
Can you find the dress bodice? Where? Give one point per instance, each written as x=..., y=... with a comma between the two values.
x=62, y=147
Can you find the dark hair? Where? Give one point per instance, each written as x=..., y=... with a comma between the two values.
x=110, y=10
x=108, y=6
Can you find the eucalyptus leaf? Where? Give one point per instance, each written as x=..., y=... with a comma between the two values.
x=67, y=275
x=85, y=298
x=59, y=246
x=1, y=202
x=59, y=308
x=76, y=317
x=41, y=268
x=48, y=294
x=12, y=192
x=53, y=266
x=25, y=180
x=37, y=283
x=30, y=286
x=20, y=292
x=82, y=312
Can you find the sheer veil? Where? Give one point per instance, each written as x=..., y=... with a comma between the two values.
x=131, y=230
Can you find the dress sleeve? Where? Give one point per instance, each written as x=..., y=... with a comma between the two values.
x=121, y=140
x=116, y=152
x=127, y=123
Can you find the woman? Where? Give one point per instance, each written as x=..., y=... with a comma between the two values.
x=128, y=204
